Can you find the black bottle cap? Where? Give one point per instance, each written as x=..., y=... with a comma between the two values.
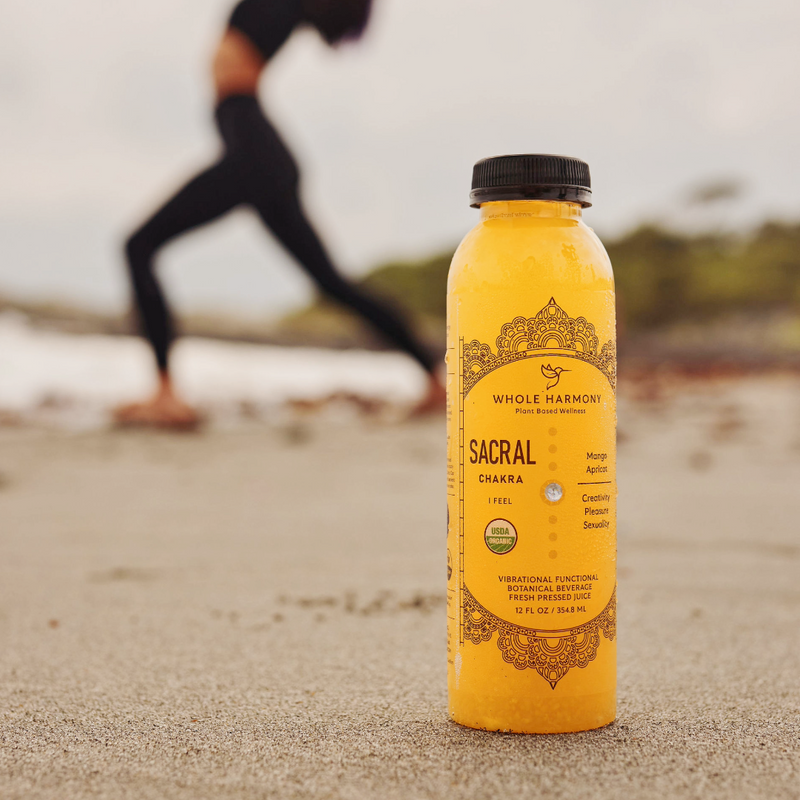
x=531, y=177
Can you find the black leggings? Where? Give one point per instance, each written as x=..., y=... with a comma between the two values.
x=256, y=169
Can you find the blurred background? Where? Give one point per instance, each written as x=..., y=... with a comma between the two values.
x=684, y=113
x=260, y=608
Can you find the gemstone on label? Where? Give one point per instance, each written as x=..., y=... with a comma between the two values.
x=554, y=492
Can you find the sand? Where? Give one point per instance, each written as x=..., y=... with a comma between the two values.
x=258, y=612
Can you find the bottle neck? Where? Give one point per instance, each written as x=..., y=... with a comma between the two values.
x=542, y=209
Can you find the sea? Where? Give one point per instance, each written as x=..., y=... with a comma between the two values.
x=74, y=381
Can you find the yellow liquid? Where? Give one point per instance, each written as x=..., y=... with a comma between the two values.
x=531, y=541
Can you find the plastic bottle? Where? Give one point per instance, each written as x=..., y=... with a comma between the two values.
x=531, y=543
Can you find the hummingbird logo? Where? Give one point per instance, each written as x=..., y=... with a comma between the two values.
x=553, y=375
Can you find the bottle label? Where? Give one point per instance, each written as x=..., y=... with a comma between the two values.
x=533, y=472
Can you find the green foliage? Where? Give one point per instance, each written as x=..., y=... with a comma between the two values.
x=651, y=268
x=416, y=289
x=421, y=286
x=664, y=277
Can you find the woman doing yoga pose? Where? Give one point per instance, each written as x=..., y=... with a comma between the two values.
x=256, y=169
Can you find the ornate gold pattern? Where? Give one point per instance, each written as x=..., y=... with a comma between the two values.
x=551, y=653
x=552, y=331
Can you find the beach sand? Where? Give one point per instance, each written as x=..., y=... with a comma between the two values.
x=257, y=611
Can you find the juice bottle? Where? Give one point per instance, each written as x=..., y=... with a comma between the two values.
x=531, y=541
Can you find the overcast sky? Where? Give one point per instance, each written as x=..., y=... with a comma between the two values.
x=106, y=108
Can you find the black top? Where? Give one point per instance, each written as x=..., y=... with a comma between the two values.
x=531, y=177
x=267, y=23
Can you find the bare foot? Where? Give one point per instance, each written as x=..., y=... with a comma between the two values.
x=163, y=410
x=435, y=400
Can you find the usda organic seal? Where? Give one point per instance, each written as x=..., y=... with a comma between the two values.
x=500, y=536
